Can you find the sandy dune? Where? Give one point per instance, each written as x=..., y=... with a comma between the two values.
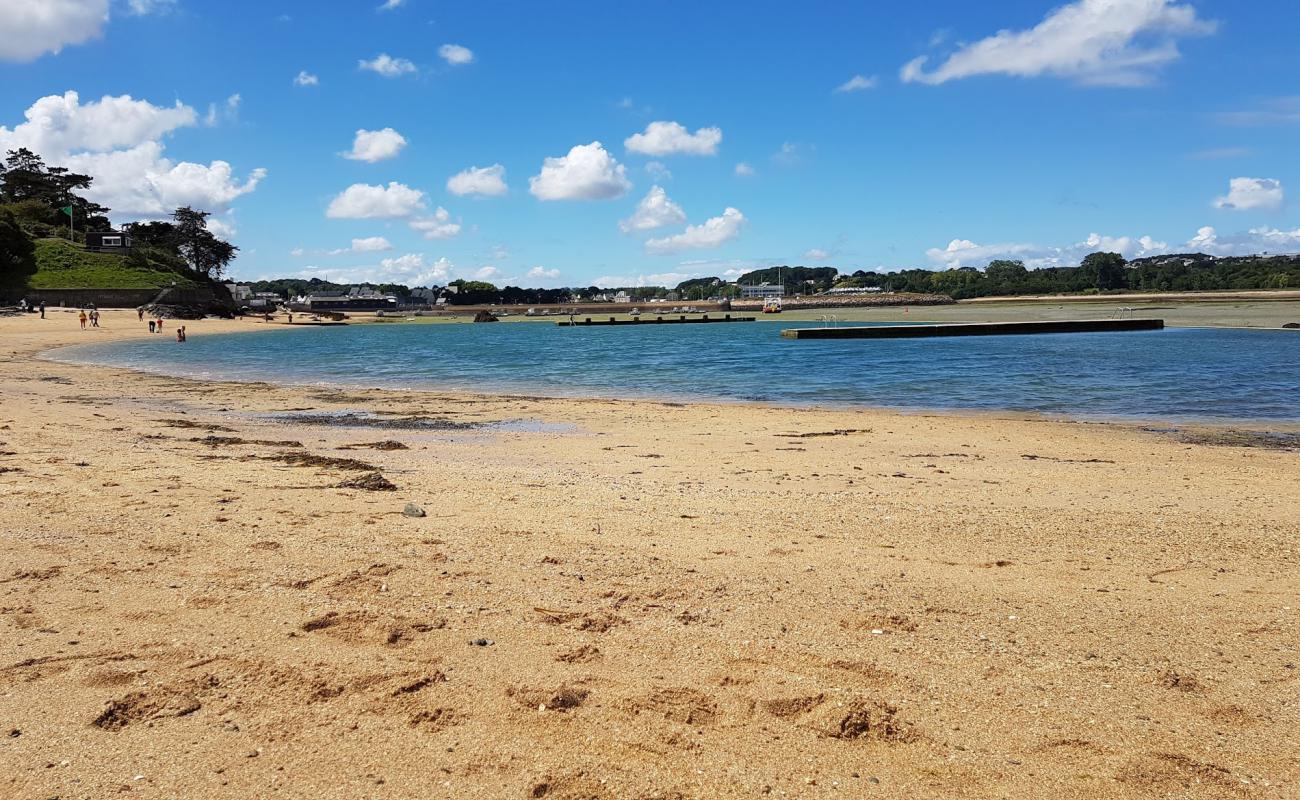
x=626, y=599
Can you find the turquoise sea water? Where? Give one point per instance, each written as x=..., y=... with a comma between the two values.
x=1174, y=374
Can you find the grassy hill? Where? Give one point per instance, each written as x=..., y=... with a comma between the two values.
x=63, y=265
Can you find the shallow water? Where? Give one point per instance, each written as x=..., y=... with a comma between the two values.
x=1175, y=374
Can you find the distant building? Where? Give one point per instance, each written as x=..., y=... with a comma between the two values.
x=239, y=291
x=338, y=301
x=108, y=242
x=622, y=297
x=762, y=290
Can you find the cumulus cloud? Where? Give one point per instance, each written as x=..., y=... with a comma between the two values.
x=386, y=65
x=1250, y=194
x=117, y=141
x=456, y=55
x=436, y=226
x=816, y=254
x=744, y=170
x=410, y=269
x=1255, y=240
x=486, y=273
x=32, y=29
x=714, y=232
x=364, y=201
x=857, y=83
x=487, y=181
x=372, y=146
x=965, y=253
x=227, y=111
x=1098, y=42
x=541, y=273
x=669, y=138
x=305, y=78
x=588, y=172
x=654, y=210
x=369, y=244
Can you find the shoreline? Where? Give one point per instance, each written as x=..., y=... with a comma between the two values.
x=489, y=393
x=628, y=599
x=469, y=395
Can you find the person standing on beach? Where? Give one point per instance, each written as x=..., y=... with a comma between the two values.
x=94, y=318
x=82, y=316
x=42, y=309
x=151, y=326
x=140, y=311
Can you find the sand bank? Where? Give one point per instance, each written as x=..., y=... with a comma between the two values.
x=625, y=599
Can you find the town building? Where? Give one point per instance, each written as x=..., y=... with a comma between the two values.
x=762, y=290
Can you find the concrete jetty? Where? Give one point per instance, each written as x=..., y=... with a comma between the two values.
x=656, y=320
x=974, y=329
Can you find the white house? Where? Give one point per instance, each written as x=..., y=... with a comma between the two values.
x=762, y=290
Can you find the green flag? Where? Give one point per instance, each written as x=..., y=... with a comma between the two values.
x=67, y=210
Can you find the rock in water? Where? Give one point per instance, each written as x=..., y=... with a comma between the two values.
x=485, y=316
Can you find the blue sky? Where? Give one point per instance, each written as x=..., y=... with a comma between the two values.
x=1037, y=130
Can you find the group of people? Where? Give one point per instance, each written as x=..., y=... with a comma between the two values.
x=92, y=317
x=29, y=308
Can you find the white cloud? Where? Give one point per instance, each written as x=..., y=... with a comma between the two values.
x=588, y=172
x=223, y=226
x=654, y=210
x=816, y=254
x=143, y=7
x=858, y=83
x=1276, y=111
x=668, y=138
x=59, y=124
x=372, y=146
x=456, y=55
x=486, y=273
x=499, y=252
x=228, y=111
x=541, y=273
x=965, y=253
x=714, y=232
x=791, y=154
x=436, y=226
x=369, y=244
x=36, y=27
x=744, y=170
x=364, y=201
x=386, y=65
x=297, y=252
x=116, y=140
x=488, y=181
x=390, y=5
x=305, y=78
x=1249, y=194
x=410, y=270
x=658, y=170
x=1256, y=240
x=1099, y=42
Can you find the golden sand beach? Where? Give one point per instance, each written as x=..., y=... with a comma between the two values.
x=626, y=599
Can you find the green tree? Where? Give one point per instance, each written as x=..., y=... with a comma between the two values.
x=204, y=252
x=1105, y=271
x=17, y=253
x=1005, y=272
